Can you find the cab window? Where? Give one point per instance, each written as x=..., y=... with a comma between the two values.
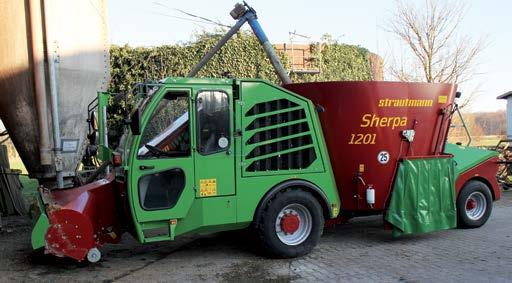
x=212, y=122
x=167, y=133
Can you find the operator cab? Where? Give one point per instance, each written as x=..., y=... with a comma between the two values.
x=182, y=156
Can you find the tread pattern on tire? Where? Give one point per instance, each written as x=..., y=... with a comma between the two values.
x=289, y=251
x=467, y=189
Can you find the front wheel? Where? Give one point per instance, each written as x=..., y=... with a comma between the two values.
x=474, y=204
x=291, y=224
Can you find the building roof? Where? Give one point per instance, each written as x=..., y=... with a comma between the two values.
x=505, y=95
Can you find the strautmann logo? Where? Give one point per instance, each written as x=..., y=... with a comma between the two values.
x=405, y=102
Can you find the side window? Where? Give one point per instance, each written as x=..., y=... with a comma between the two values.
x=161, y=190
x=212, y=122
x=167, y=133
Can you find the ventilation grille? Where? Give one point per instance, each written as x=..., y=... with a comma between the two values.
x=280, y=138
x=275, y=119
x=271, y=134
x=270, y=106
x=295, y=160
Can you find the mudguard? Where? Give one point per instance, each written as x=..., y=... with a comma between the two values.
x=423, y=198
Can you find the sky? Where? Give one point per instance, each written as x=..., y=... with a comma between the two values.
x=154, y=23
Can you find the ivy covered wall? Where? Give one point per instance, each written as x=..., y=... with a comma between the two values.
x=241, y=57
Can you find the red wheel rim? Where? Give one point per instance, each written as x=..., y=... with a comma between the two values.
x=290, y=223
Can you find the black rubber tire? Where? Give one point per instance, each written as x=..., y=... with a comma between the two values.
x=265, y=224
x=473, y=186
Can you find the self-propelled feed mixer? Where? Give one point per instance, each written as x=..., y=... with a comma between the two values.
x=207, y=155
x=213, y=154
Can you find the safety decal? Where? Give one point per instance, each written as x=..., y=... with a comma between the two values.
x=207, y=187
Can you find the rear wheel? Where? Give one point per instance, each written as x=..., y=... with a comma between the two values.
x=474, y=204
x=290, y=224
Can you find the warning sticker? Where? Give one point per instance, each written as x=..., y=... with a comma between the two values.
x=442, y=99
x=207, y=187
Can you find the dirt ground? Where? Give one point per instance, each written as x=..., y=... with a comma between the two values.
x=359, y=251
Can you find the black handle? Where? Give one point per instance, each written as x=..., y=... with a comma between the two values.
x=146, y=167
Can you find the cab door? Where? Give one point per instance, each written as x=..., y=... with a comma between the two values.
x=214, y=158
x=162, y=169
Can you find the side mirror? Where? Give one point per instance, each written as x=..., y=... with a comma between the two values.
x=135, y=122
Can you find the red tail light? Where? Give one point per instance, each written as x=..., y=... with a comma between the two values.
x=116, y=159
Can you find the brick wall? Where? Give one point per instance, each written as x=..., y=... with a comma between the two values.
x=301, y=58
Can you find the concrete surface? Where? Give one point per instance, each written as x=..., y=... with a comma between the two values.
x=359, y=251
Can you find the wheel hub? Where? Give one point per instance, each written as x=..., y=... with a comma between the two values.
x=293, y=224
x=290, y=223
x=471, y=204
x=476, y=205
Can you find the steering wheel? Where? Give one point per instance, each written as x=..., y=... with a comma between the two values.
x=155, y=150
x=158, y=152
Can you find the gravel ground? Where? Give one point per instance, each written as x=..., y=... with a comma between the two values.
x=359, y=251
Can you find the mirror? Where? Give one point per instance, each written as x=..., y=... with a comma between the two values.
x=135, y=122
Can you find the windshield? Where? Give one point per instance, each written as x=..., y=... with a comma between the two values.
x=137, y=100
x=167, y=131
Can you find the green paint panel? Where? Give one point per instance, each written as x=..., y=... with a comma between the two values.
x=40, y=227
x=423, y=197
x=217, y=167
x=104, y=152
x=467, y=157
x=208, y=214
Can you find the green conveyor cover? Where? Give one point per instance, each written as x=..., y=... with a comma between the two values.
x=423, y=197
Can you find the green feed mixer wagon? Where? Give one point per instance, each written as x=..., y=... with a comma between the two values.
x=204, y=155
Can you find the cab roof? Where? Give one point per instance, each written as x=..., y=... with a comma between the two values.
x=186, y=80
x=193, y=80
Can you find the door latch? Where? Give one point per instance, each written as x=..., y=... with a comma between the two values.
x=146, y=167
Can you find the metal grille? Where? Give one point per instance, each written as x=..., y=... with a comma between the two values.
x=280, y=137
x=269, y=106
